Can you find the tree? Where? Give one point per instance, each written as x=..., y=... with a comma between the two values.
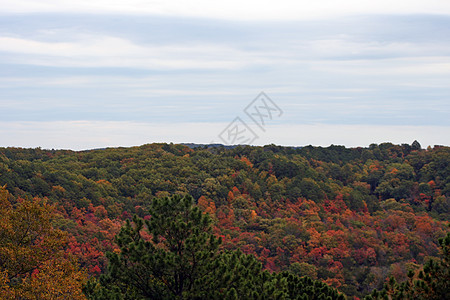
x=167, y=262
x=416, y=145
x=33, y=263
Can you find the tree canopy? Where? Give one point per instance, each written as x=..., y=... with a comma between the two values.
x=431, y=282
x=175, y=255
x=347, y=217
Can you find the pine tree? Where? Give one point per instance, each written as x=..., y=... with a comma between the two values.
x=169, y=264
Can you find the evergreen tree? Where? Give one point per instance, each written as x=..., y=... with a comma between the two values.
x=416, y=145
x=167, y=264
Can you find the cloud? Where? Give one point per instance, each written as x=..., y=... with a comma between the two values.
x=262, y=10
x=347, y=47
x=407, y=66
x=96, y=50
x=351, y=71
x=107, y=51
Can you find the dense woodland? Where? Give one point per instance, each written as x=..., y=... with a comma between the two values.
x=354, y=219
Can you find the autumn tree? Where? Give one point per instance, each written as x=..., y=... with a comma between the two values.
x=33, y=263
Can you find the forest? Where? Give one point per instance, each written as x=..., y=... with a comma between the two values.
x=244, y=222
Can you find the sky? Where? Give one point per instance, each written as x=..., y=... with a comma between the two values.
x=78, y=74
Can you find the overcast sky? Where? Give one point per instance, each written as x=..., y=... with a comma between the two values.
x=89, y=74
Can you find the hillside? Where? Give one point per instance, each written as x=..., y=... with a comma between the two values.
x=350, y=217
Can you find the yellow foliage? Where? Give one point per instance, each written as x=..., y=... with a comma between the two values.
x=56, y=279
x=33, y=264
